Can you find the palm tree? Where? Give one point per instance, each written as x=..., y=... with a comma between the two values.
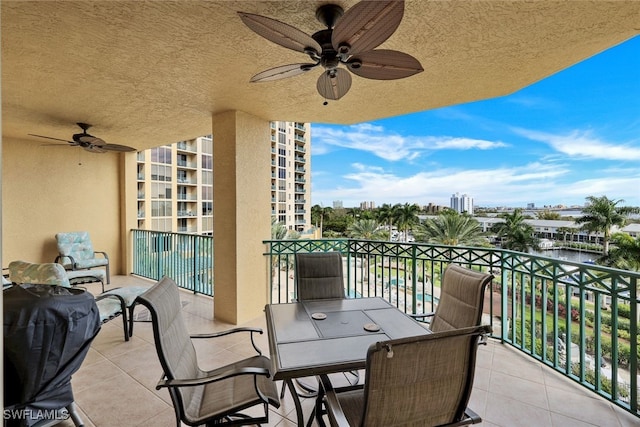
x=563, y=231
x=278, y=230
x=624, y=254
x=319, y=213
x=601, y=214
x=516, y=234
x=406, y=217
x=367, y=229
x=354, y=212
x=386, y=214
x=451, y=228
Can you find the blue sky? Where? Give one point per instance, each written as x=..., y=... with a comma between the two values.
x=569, y=136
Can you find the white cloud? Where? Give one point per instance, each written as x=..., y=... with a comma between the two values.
x=582, y=144
x=513, y=186
x=389, y=146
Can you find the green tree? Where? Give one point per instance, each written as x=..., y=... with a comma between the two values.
x=354, y=213
x=624, y=253
x=406, y=217
x=386, y=214
x=515, y=233
x=367, y=229
x=318, y=215
x=337, y=223
x=601, y=214
x=451, y=228
x=548, y=214
x=278, y=230
x=562, y=232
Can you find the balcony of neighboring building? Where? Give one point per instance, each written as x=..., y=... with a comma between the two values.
x=187, y=146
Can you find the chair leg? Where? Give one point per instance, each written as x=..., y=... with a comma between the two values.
x=131, y=318
x=108, y=275
x=125, y=324
x=75, y=417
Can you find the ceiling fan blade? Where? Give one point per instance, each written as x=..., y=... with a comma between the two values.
x=48, y=137
x=89, y=139
x=116, y=147
x=384, y=64
x=334, y=84
x=95, y=149
x=366, y=25
x=280, y=33
x=281, y=72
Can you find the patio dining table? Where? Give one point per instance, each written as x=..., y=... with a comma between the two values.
x=328, y=336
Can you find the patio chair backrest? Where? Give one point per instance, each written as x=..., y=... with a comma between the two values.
x=319, y=275
x=423, y=381
x=173, y=344
x=461, y=299
x=76, y=244
x=49, y=273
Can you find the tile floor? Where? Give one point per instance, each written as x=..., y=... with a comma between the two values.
x=115, y=386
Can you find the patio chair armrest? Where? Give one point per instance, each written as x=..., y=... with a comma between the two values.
x=104, y=254
x=121, y=300
x=227, y=332
x=59, y=258
x=233, y=331
x=229, y=372
x=332, y=404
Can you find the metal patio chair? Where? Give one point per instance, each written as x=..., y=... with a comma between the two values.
x=76, y=252
x=205, y=397
x=461, y=299
x=318, y=275
x=110, y=306
x=417, y=381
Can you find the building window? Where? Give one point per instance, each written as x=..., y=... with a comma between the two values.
x=160, y=190
x=207, y=162
x=207, y=193
x=161, y=155
x=160, y=208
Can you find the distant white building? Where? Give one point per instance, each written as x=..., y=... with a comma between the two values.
x=462, y=203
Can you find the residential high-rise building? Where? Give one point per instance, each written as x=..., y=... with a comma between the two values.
x=175, y=187
x=462, y=203
x=175, y=182
x=291, y=174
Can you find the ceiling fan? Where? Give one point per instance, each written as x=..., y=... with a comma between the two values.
x=350, y=39
x=89, y=142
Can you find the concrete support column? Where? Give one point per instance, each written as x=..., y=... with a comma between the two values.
x=241, y=220
x=128, y=171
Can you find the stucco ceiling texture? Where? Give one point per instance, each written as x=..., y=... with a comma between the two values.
x=147, y=73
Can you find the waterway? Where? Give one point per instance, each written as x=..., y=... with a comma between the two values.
x=569, y=255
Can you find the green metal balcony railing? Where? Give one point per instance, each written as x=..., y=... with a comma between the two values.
x=569, y=316
x=186, y=258
x=554, y=311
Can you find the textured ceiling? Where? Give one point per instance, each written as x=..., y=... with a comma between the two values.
x=147, y=73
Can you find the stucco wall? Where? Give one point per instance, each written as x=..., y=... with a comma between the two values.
x=48, y=189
